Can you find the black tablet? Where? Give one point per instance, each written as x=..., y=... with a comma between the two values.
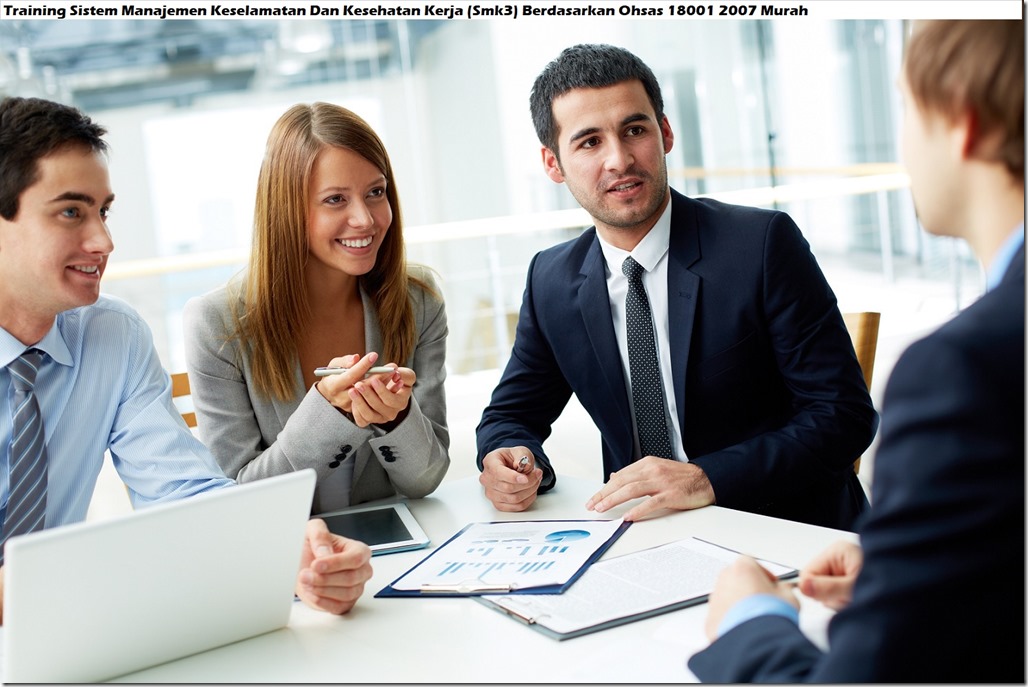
x=386, y=528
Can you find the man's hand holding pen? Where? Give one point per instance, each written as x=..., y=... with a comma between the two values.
x=743, y=578
x=511, y=478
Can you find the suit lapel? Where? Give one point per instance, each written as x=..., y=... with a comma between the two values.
x=594, y=303
x=683, y=292
x=372, y=342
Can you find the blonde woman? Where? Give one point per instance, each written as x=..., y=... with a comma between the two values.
x=328, y=285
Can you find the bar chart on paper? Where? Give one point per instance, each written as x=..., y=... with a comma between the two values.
x=511, y=555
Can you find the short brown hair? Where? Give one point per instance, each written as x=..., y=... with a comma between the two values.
x=953, y=66
x=586, y=66
x=31, y=129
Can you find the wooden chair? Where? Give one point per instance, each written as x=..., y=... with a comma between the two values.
x=863, y=329
x=179, y=389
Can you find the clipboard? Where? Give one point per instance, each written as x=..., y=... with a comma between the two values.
x=510, y=559
x=613, y=601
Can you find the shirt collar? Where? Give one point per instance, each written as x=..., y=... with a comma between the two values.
x=52, y=344
x=1005, y=255
x=647, y=252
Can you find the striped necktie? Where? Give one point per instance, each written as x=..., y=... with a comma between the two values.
x=26, y=501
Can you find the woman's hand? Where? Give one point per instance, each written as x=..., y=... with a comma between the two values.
x=380, y=399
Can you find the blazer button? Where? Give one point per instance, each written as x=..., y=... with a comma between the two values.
x=387, y=454
x=341, y=456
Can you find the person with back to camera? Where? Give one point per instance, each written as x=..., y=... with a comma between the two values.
x=935, y=591
x=328, y=285
x=750, y=395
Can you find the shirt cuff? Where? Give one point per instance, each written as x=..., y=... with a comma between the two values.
x=755, y=606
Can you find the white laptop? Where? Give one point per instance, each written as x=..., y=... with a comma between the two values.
x=95, y=600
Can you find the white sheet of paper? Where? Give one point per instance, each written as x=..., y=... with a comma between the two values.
x=517, y=554
x=628, y=585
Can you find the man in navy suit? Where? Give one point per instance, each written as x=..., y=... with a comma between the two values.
x=935, y=592
x=764, y=403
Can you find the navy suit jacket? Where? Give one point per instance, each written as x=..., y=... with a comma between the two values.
x=771, y=400
x=940, y=597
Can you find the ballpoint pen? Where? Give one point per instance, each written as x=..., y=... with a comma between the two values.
x=326, y=371
x=522, y=464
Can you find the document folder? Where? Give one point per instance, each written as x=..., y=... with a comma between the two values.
x=628, y=588
x=509, y=557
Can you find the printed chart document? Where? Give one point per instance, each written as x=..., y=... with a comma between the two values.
x=627, y=588
x=528, y=556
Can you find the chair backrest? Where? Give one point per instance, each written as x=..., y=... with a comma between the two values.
x=179, y=389
x=863, y=329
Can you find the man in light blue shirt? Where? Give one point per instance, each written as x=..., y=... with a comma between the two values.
x=96, y=377
x=102, y=387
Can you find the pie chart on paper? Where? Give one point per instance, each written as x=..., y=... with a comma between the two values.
x=567, y=535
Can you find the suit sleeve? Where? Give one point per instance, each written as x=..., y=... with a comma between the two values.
x=532, y=392
x=766, y=649
x=829, y=418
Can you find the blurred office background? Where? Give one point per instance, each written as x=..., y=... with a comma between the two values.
x=802, y=115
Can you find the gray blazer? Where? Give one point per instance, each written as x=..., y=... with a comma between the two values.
x=253, y=437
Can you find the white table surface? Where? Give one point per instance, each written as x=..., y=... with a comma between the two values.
x=451, y=640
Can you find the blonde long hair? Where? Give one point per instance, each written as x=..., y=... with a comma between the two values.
x=276, y=311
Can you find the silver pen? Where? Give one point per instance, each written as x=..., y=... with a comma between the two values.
x=327, y=371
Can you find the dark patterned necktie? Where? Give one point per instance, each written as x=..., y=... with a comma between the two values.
x=647, y=393
x=26, y=501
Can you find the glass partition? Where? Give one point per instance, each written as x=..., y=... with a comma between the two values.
x=802, y=116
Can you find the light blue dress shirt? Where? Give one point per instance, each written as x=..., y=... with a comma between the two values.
x=754, y=606
x=1004, y=257
x=101, y=386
